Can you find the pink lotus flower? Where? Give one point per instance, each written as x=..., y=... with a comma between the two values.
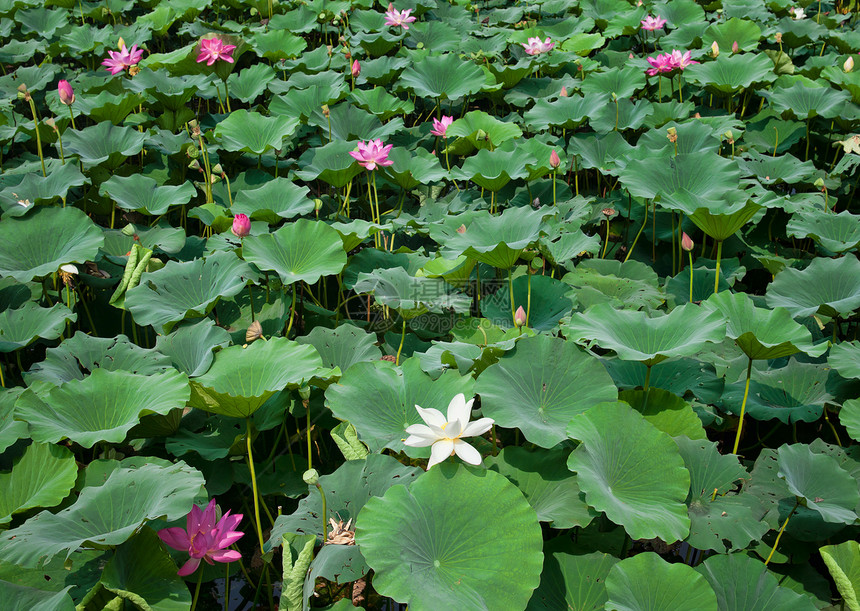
x=680, y=60
x=205, y=537
x=661, y=63
x=735, y=47
x=401, y=18
x=536, y=47
x=554, y=160
x=241, y=225
x=213, y=49
x=440, y=127
x=563, y=92
x=122, y=59
x=652, y=23
x=520, y=317
x=356, y=69
x=686, y=242
x=67, y=94
x=371, y=154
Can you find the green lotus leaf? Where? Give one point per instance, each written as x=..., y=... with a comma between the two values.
x=631, y=284
x=843, y=562
x=23, y=598
x=546, y=306
x=621, y=115
x=647, y=501
x=666, y=411
x=849, y=416
x=744, y=583
x=42, y=477
x=810, y=475
x=835, y=232
x=35, y=188
x=478, y=130
x=242, y=379
x=741, y=31
x=381, y=103
x=103, y=143
x=11, y=430
x=804, y=101
x=379, y=399
x=21, y=327
x=729, y=74
x=572, y=581
x=276, y=199
x=190, y=346
x=405, y=536
x=278, y=44
x=622, y=82
x=771, y=170
x=330, y=163
x=411, y=296
x=38, y=244
x=251, y=132
x=646, y=582
x=569, y=112
x=762, y=333
x=355, y=232
x=719, y=223
x=549, y=487
x=171, y=91
x=303, y=102
x=676, y=376
x=599, y=151
x=105, y=514
x=348, y=122
x=492, y=170
x=410, y=171
x=250, y=83
x=520, y=391
x=845, y=358
x=635, y=336
x=142, y=193
x=102, y=407
x=443, y=76
x=343, y=346
x=827, y=286
x=107, y=106
x=189, y=289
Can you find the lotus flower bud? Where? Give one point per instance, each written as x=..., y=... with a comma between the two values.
x=67, y=94
x=778, y=37
x=715, y=49
x=241, y=225
x=848, y=66
x=120, y=44
x=520, y=317
x=311, y=477
x=563, y=93
x=356, y=69
x=554, y=160
x=686, y=242
x=735, y=47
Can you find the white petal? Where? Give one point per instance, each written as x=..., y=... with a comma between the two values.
x=431, y=416
x=459, y=410
x=467, y=452
x=440, y=451
x=478, y=427
x=454, y=429
x=418, y=441
x=419, y=429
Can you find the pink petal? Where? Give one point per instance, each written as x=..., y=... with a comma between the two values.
x=175, y=537
x=225, y=556
x=189, y=567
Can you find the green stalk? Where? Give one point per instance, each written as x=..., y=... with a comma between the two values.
x=38, y=135
x=197, y=589
x=254, y=482
x=719, y=256
x=647, y=378
x=636, y=239
x=690, y=254
x=324, y=513
x=292, y=312
x=781, y=530
x=554, y=174
x=400, y=347
x=743, y=407
x=511, y=291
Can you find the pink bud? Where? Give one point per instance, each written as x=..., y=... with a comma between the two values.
x=67, y=94
x=241, y=225
x=563, y=92
x=686, y=242
x=735, y=47
x=461, y=229
x=520, y=317
x=554, y=161
x=356, y=69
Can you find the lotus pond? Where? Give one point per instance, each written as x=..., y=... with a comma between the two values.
x=446, y=305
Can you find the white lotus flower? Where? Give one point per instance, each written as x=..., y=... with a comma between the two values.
x=446, y=435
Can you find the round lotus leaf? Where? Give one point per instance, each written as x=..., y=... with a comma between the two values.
x=106, y=513
x=251, y=132
x=729, y=74
x=492, y=170
x=343, y=346
x=241, y=379
x=103, y=143
x=21, y=327
x=827, y=286
x=479, y=130
x=444, y=76
x=849, y=416
x=665, y=410
x=843, y=562
x=24, y=598
x=187, y=289
x=678, y=377
x=276, y=199
x=548, y=485
x=845, y=358
x=631, y=471
x=38, y=244
x=741, y=31
x=762, y=333
x=189, y=347
x=835, y=232
x=804, y=101
x=11, y=430
x=35, y=188
x=521, y=391
x=568, y=113
x=411, y=296
x=623, y=82
x=102, y=407
x=330, y=163
x=636, y=336
x=825, y=486
x=139, y=192
x=42, y=477
x=771, y=170
x=630, y=285
x=431, y=546
x=546, y=306
x=572, y=581
x=646, y=582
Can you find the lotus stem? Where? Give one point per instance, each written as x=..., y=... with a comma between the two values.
x=306, y=405
x=197, y=589
x=400, y=347
x=254, y=482
x=606, y=241
x=832, y=428
x=636, y=239
x=2, y=381
x=324, y=512
x=654, y=229
x=776, y=144
x=447, y=162
x=554, y=174
x=251, y=301
x=511, y=291
x=806, y=156
x=292, y=312
x=647, y=378
x=719, y=256
x=72, y=115
x=743, y=407
x=38, y=135
x=781, y=530
x=690, y=254
x=528, y=294
x=375, y=211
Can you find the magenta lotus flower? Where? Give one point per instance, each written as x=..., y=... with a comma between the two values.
x=661, y=63
x=356, y=69
x=213, y=49
x=205, y=537
x=440, y=127
x=122, y=59
x=371, y=154
x=241, y=225
x=67, y=94
x=681, y=60
x=536, y=47
x=401, y=18
x=653, y=23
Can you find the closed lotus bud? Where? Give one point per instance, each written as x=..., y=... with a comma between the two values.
x=318, y=204
x=356, y=69
x=461, y=229
x=67, y=94
x=520, y=317
x=254, y=332
x=735, y=47
x=554, y=160
x=686, y=242
x=563, y=92
x=241, y=225
x=121, y=43
x=715, y=49
x=848, y=66
x=311, y=477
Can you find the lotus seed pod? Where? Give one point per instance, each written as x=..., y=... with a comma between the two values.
x=311, y=477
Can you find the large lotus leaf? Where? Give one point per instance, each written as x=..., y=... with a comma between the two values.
x=677, y=376
x=171, y=91
x=623, y=82
x=276, y=199
x=11, y=430
x=21, y=327
x=573, y=582
x=849, y=416
x=477, y=129
x=521, y=391
x=599, y=151
x=278, y=44
x=635, y=336
x=24, y=598
x=666, y=411
x=42, y=477
x=346, y=491
x=732, y=73
x=492, y=170
x=139, y=192
x=646, y=582
x=189, y=289
x=762, y=333
x=825, y=486
x=546, y=304
x=103, y=143
x=379, y=399
x=349, y=122
x=804, y=101
x=843, y=562
x=631, y=284
x=827, y=286
x=410, y=170
x=431, y=546
x=38, y=244
x=569, y=112
x=381, y=103
x=743, y=583
x=343, y=346
x=190, y=347
x=548, y=485
x=720, y=223
x=35, y=188
x=102, y=407
x=631, y=471
x=250, y=83
x=305, y=250
x=741, y=31
x=835, y=232
x=242, y=379
x=330, y=163
x=105, y=514
x=771, y=170
x=845, y=358
x=411, y=296
x=252, y=132
x=443, y=76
